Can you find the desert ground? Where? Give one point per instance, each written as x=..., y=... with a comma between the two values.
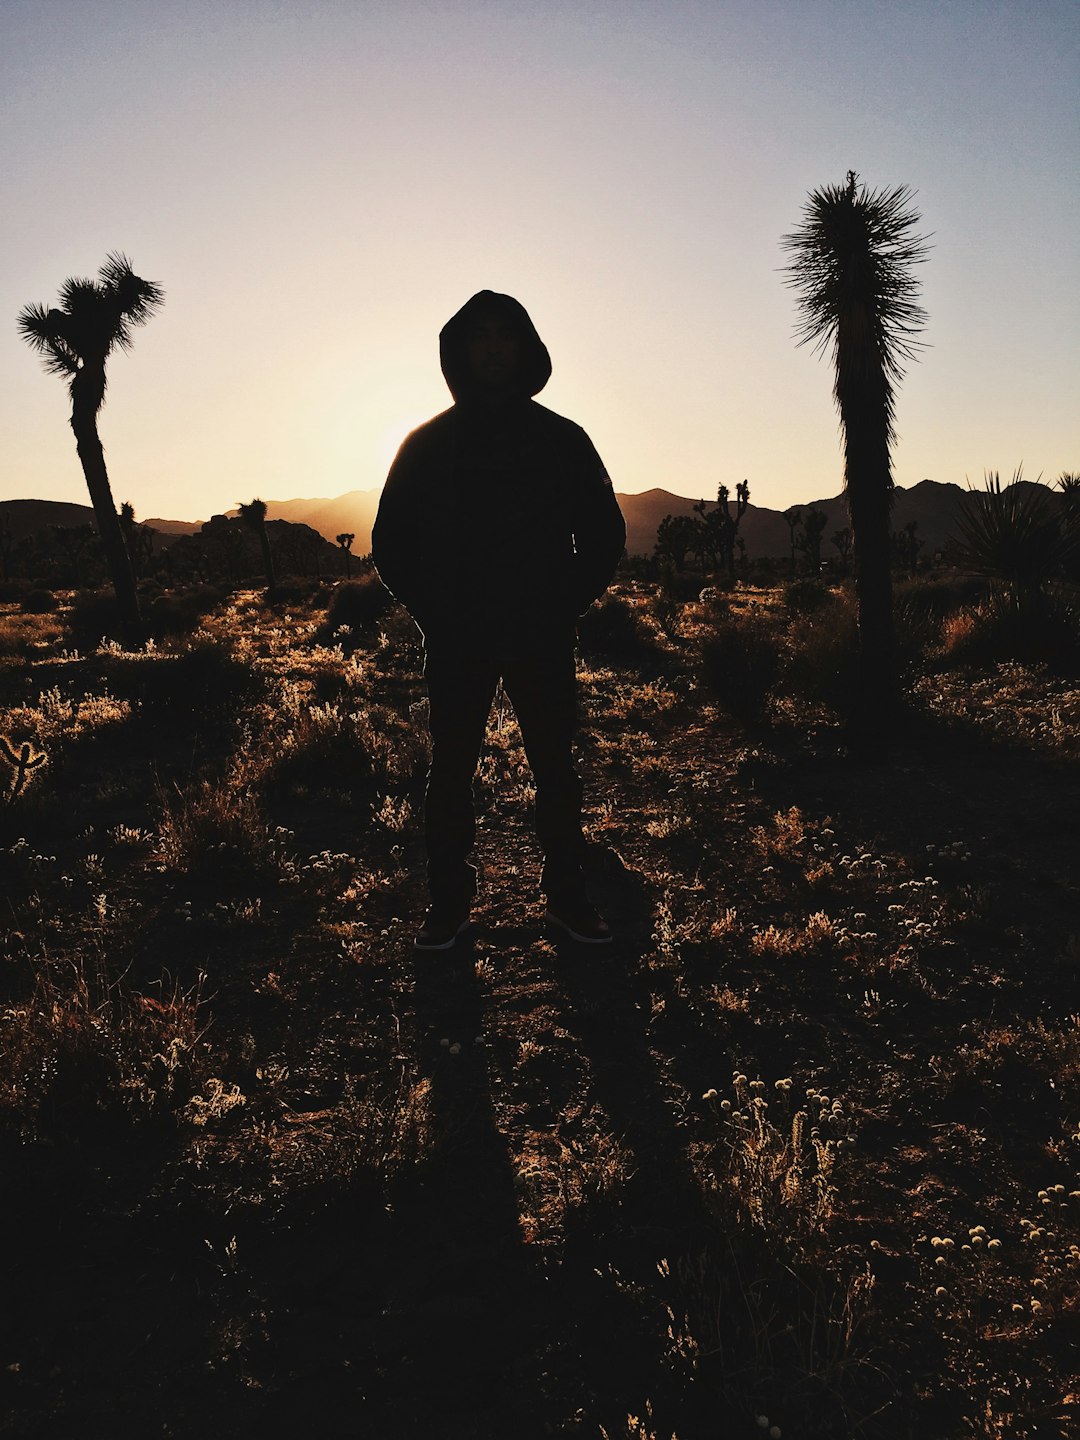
x=798, y=1155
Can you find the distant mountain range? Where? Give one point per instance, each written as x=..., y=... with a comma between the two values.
x=932, y=504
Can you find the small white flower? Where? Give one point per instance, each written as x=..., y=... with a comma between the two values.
x=455, y=1049
x=444, y=1043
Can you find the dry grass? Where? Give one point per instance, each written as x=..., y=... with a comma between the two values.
x=506, y=1188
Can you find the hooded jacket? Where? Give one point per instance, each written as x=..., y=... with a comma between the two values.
x=498, y=524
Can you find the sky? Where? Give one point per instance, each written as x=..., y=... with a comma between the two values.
x=319, y=184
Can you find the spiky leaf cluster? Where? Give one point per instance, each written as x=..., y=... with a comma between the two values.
x=1012, y=533
x=851, y=270
x=94, y=318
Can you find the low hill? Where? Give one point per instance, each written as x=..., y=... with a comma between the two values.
x=23, y=518
x=931, y=504
x=351, y=513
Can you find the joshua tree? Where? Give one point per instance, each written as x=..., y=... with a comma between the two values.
x=346, y=543
x=724, y=525
x=814, y=522
x=675, y=536
x=851, y=268
x=793, y=517
x=907, y=544
x=95, y=317
x=254, y=517
x=842, y=540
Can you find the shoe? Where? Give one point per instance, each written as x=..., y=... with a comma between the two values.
x=442, y=927
x=580, y=920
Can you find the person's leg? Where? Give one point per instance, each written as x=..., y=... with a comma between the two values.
x=543, y=691
x=460, y=691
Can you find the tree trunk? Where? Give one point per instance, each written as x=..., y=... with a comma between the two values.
x=268, y=558
x=869, y=496
x=92, y=457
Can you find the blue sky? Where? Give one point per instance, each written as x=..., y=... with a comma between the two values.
x=319, y=186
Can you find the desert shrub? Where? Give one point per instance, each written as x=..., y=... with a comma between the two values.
x=1013, y=534
x=296, y=589
x=739, y=661
x=822, y=652
x=40, y=602
x=360, y=604
x=996, y=630
x=939, y=593
x=13, y=591
x=613, y=629
x=805, y=595
x=83, y=1051
x=204, y=686
x=683, y=585
x=330, y=748
x=217, y=833
x=178, y=612
x=94, y=617
x=21, y=634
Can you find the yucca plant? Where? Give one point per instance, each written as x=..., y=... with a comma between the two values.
x=1013, y=535
x=253, y=515
x=852, y=271
x=95, y=317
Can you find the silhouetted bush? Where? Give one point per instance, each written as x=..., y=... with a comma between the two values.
x=804, y=596
x=205, y=687
x=739, y=661
x=1015, y=534
x=295, y=589
x=940, y=593
x=997, y=630
x=94, y=616
x=178, y=612
x=684, y=585
x=360, y=604
x=613, y=629
x=920, y=607
x=40, y=602
x=822, y=653
x=330, y=748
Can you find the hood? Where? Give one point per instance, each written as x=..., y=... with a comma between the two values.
x=534, y=369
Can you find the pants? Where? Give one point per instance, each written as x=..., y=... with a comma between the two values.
x=542, y=687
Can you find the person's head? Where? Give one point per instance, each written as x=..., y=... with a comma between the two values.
x=493, y=348
x=490, y=351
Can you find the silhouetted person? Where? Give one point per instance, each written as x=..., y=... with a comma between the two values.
x=497, y=527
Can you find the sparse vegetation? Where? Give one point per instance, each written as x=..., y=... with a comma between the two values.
x=801, y=1154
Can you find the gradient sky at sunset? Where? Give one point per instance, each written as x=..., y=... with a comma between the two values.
x=319, y=185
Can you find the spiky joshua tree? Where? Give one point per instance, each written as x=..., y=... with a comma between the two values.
x=96, y=317
x=253, y=515
x=851, y=267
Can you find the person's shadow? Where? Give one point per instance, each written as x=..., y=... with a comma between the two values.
x=617, y=1260
x=464, y=1305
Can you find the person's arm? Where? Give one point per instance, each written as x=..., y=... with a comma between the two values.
x=599, y=528
x=400, y=542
